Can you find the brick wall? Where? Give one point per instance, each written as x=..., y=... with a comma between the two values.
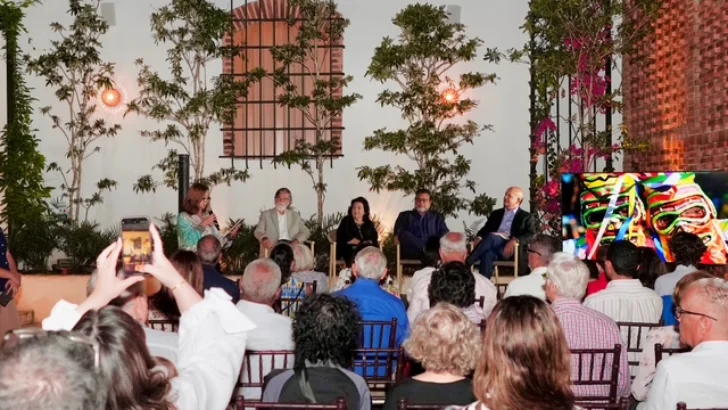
x=676, y=90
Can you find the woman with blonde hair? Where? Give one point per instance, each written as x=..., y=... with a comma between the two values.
x=447, y=344
x=303, y=269
x=525, y=359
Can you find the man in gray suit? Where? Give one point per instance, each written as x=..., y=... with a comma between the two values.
x=281, y=223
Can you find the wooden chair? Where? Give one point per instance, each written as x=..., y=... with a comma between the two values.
x=633, y=335
x=402, y=405
x=660, y=352
x=334, y=262
x=372, y=333
x=682, y=406
x=381, y=368
x=165, y=325
x=241, y=403
x=482, y=325
x=500, y=290
x=623, y=404
x=401, y=263
x=593, y=368
x=507, y=264
x=256, y=365
x=289, y=306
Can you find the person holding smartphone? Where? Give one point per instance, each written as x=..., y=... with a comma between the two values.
x=9, y=285
x=198, y=221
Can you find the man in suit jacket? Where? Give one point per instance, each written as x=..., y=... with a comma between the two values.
x=281, y=223
x=505, y=227
x=413, y=228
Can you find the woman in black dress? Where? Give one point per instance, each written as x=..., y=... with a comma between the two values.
x=356, y=228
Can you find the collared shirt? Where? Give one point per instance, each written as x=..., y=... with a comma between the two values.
x=531, y=284
x=665, y=284
x=376, y=304
x=507, y=221
x=215, y=279
x=283, y=227
x=669, y=339
x=626, y=300
x=421, y=226
x=420, y=300
x=162, y=344
x=585, y=328
x=696, y=378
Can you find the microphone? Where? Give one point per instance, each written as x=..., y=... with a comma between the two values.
x=210, y=213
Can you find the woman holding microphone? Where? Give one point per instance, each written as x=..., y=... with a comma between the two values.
x=198, y=221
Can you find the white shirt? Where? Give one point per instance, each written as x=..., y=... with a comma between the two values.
x=531, y=284
x=626, y=300
x=665, y=284
x=696, y=378
x=283, y=226
x=421, y=299
x=162, y=344
x=210, y=353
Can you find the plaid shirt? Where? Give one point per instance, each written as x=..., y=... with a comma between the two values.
x=588, y=329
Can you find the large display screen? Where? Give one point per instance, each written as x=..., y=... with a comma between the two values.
x=646, y=209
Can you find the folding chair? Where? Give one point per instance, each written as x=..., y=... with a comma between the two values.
x=633, y=335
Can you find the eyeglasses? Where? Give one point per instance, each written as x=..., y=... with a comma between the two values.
x=529, y=250
x=209, y=198
x=680, y=311
x=21, y=335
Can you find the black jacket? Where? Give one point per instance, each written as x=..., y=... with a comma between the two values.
x=348, y=230
x=523, y=228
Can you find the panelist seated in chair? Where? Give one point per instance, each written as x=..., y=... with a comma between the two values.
x=282, y=223
x=505, y=228
x=356, y=229
x=413, y=228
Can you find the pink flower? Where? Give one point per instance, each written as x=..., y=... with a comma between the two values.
x=544, y=126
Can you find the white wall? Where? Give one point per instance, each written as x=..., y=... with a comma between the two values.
x=500, y=158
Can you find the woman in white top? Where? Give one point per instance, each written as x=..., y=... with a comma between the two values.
x=525, y=360
x=211, y=343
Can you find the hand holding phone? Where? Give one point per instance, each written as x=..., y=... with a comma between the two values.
x=138, y=245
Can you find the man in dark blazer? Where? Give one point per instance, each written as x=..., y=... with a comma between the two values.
x=505, y=227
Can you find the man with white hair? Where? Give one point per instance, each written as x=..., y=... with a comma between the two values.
x=540, y=251
x=584, y=328
x=260, y=288
x=453, y=248
x=374, y=303
x=696, y=378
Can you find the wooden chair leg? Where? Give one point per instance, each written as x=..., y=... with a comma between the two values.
x=399, y=269
x=516, y=257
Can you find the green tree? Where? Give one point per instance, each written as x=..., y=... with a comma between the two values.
x=191, y=103
x=74, y=67
x=418, y=61
x=21, y=163
x=320, y=27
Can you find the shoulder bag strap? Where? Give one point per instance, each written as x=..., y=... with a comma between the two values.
x=304, y=384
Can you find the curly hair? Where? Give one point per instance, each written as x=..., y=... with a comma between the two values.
x=326, y=329
x=443, y=339
x=687, y=248
x=128, y=369
x=525, y=362
x=452, y=283
x=282, y=255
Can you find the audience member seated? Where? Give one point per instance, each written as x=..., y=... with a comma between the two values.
x=292, y=289
x=209, y=251
x=505, y=228
x=325, y=342
x=448, y=346
x=303, y=269
x=584, y=328
x=413, y=228
x=260, y=288
x=651, y=267
x=540, y=251
x=696, y=378
x=601, y=281
x=346, y=277
x=374, y=303
x=667, y=336
x=281, y=223
x=134, y=302
x=453, y=248
x=197, y=219
x=625, y=299
x=688, y=250
x=211, y=343
x=356, y=229
x=453, y=283
x=430, y=261
x=163, y=304
x=525, y=359
x=51, y=370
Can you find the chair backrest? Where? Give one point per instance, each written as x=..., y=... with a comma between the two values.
x=165, y=325
x=256, y=365
x=375, y=334
x=289, y=305
x=633, y=335
x=381, y=368
x=481, y=301
x=682, y=406
x=402, y=405
x=500, y=290
x=482, y=326
x=661, y=352
x=595, y=373
x=241, y=403
x=623, y=404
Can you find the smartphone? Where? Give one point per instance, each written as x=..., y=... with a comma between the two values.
x=138, y=245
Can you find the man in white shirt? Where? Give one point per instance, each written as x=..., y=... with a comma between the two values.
x=282, y=223
x=625, y=299
x=696, y=378
x=687, y=249
x=453, y=248
x=135, y=303
x=540, y=251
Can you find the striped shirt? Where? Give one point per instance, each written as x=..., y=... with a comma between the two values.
x=585, y=328
x=626, y=300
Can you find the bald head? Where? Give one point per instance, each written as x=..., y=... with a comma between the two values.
x=453, y=247
x=261, y=282
x=513, y=198
x=704, y=307
x=209, y=249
